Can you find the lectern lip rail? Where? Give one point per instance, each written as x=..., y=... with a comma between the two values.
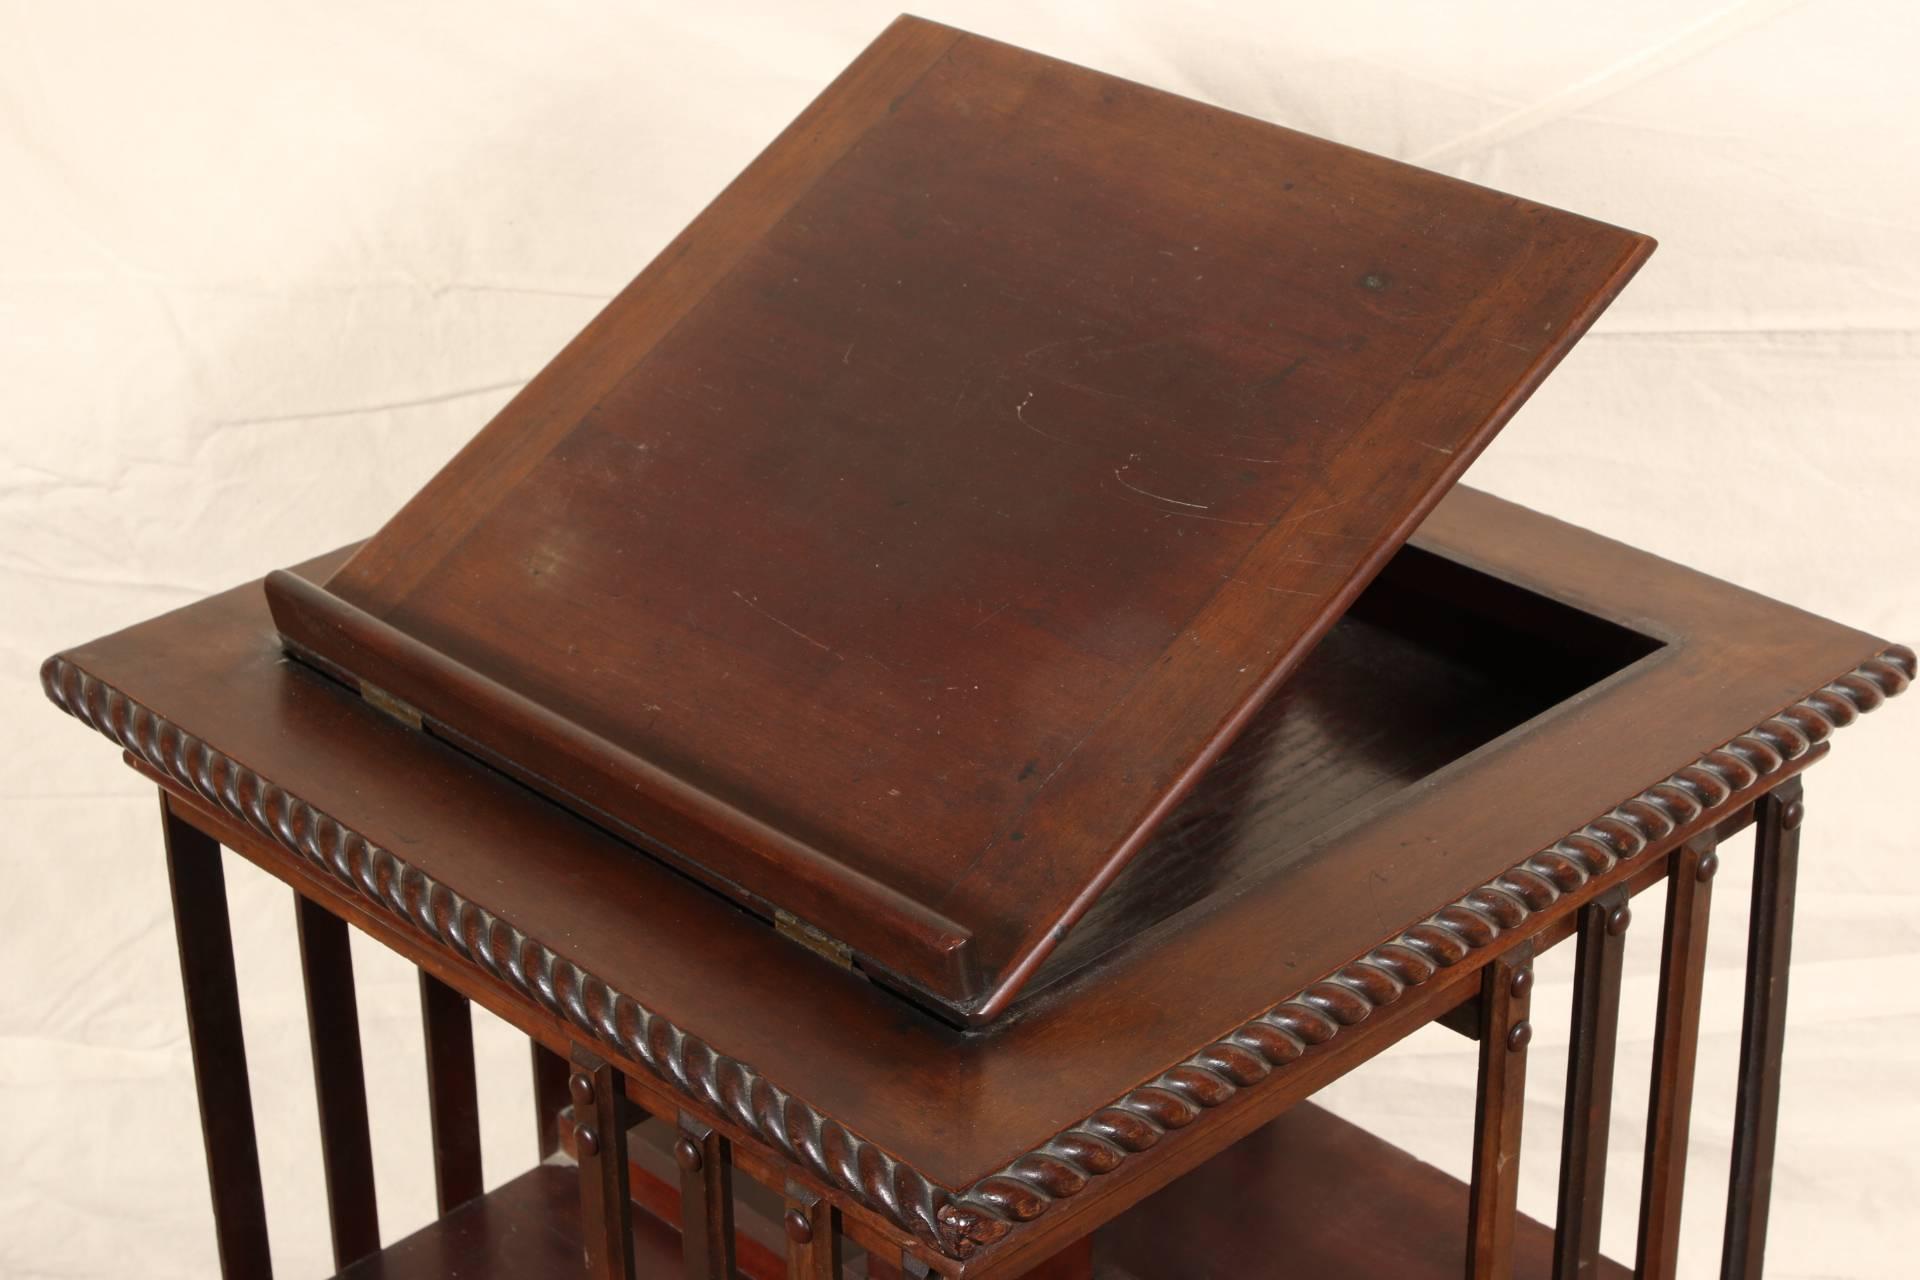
x=698, y=832
x=674, y=980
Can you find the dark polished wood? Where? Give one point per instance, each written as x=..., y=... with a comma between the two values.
x=706, y=1200
x=1600, y=948
x=812, y=1228
x=901, y=546
x=218, y=1045
x=1004, y=547
x=550, y=1073
x=600, y=1146
x=865, y=1067
x=1763, y=1029
x=339, y=1081
x=653, y=1184
x=1683, y=963
x=1310, y=1195
x=1506, y=998
x=453, y=1094
x=529, y=1228
x=1075, y=1262
x=1431, y=642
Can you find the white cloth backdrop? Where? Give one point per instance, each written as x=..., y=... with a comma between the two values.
x=264, y=266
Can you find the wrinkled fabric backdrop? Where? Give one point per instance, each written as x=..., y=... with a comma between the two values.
x=264, y=267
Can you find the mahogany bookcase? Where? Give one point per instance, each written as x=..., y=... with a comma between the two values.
x=1145, y=1116
x=968, y=694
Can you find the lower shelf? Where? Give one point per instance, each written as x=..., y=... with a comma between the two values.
x=523, y=1229
x=1308, y=1195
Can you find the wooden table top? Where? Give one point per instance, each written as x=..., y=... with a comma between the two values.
x=901, y=545
x=1246, y=996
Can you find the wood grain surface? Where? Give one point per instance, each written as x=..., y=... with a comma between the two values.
x=907, y=540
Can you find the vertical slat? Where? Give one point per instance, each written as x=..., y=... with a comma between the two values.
x=339, y=1081
x=600, y=1106
x=1601, y=945
x=219, y=1050
x=1683, y=962
x=550, y=1073
x=453, y=1100
x=1763, y=1028
x=706, y=1200
x=813, y=1236
x=1506, y=991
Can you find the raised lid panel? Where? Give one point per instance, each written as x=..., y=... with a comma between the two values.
x=903, y=543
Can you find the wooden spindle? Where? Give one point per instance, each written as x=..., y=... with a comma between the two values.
x=550, y=1072
x=339, y=1081
x=1600, y=946
x=601, y=1109
x=1683, y=962
x=1763, y=1029
x=813, y=1235
x=706, y=1200
x=453, y=1100
x=1506, y=991
x=219, y=1049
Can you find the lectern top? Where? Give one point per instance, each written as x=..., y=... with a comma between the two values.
x=897, y=549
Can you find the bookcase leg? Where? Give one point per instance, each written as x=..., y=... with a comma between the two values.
x=1600, y=947
x=1506, y=990
x=1683, y=960
x=453, y=1097
x=219, y=1050
x=1763, y=1028
x=600, y=1105
x=339, y=1081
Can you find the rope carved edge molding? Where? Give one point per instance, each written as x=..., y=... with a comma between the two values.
x=829, y=1150
x=1063, y=1166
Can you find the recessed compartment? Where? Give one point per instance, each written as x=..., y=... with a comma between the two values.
x=1433, y=661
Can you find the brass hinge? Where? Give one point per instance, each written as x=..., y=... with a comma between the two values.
x=792, y=926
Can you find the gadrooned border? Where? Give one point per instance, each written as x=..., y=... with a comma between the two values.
x=959, y=1225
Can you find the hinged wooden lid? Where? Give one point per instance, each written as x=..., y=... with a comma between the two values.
x=900, y=546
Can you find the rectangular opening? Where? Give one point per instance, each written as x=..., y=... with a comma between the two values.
x=1435, y=660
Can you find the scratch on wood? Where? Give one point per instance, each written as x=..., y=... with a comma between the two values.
x=1317, y=511
x=1020, y=412
x=1049, y=346
x=1093, y=391
x=1160, y=497
x=1436, y=448
x=990, y=617
x=1279, y=591
x=1194, y=515
x=825, y=648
